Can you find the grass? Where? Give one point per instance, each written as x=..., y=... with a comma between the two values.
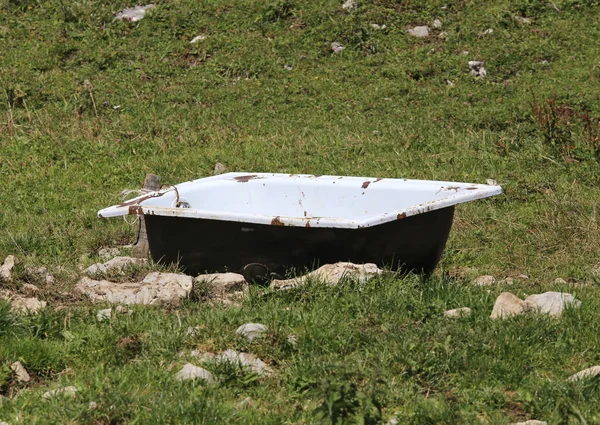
x=89, y=105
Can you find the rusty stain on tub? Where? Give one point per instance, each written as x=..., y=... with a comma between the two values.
x=245, y=179
x=136, y=209
x=472, y=188
x=366, y=184
x=401, y=216
x=277, y=222
x=378, y=180
x=308, y=223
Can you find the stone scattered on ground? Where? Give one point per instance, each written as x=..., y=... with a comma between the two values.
x=195, y=40
x=443, y=35
x=221, y=286
x=507, y=305
x=487, y=31
x=122, y=309
x=92, y=405
x=458, y=312
x=485, y=280
x=551, y=303
x=66, y=391
x=192, y=331
x=6, y=269
x=522, y=19
x=41, y=274
x=336, y=47
x=530, y=422
x=219, y=169
x=251, y=330
x=585, y=374
x=29, y=288
x=437, y=23
x=477, y=69
x=154, y=289
x=350, y=4
x=25, y=305
x=189, y=371
x=133, y=14
x=332, y=274
x=560, y=281
x=103, y=315
x=245, y=359
x=116, y=264
x=292, y=339
x=507, y=281
x=20, y=372
x=378, y=27
x=108, y=253
x=419, y=31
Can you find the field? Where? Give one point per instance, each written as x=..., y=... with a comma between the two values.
x=89, y=105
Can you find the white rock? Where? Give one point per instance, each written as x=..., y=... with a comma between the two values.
x=251, y=330
x=522, y=20
x=6, y=269
x=507, y=305
x=4, y=423
x=551, y=303
x=350, y=4
x=245, y=359
x=92, y=405
x=66, y=391
x=458, y=312
x=133, y=14
x=585, y=374
x=332, y=274
x=560, y=281
x=28, y=287
x=477, y=69
x=420, y=31
x=336, y=47
x=221, y=284
x=20, y=372
x=292, y=339
x=392, y=421
x=507, y=281
x=485, y=280
x=530, y=422
x=105, y=314
x=116, y=264
x=443, y=35
x=192, y=331
x=491, y=182
x=450, y=83
x=288, y=67
x=219, y=169
x=169, y=279
x=437, y=23
x=108, y=253
x=27, y=305
x=189, y=371
x=378, y=27
x=488, y=31
x=198, y=38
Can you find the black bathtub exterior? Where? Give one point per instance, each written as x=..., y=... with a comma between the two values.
x=260, y=251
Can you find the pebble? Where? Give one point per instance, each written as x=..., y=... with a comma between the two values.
x=219, y=169
x=477, y=69
x=66, y=391
x=350, y=4
x=336, y=47
x=245, y=359
x=6, y=269
x=189, y=371
x=507, y=305
x=103, y=315
x=332, y=274
x=251, y=330
x=198, y=38
x=133, y=14
x=20, y=372
x=458, y=312
x=485, y=280
x=437, y=23
x=419, y=31
x=560, y=281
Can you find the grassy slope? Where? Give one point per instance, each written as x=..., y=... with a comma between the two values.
x=381, y=108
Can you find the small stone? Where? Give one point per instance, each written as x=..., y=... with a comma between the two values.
x=350, y=4
x=523, y=20
x=116, y=264
x=292, y=340
x=92, y=405
x=487, y=31
x=551, y=303
x=198, y=38
x=20, y=372
x=6, y=269
x=4, y=423
x=189, y=371
x=103, y=315
x=251, y=330
x=477, y=69
x=219, y=169
x=108, y=253
x=27, y=305
x=560, y=281
x=437, y=23
x=336, y=47
x=288, y=67
x=507, y=305
x=443, y=35
x=450, y=83
x=485, y=280
x=66, y=391
x=458, y=312
x=419, y=31
x=585, y=374
x=491, y=182
x=192, y=331
x=378, y=27
x=28, y=287
x=133, y=14
x=245, y=359
x=507, y=281
x=169, y=279
x=122, y=309
x=530, y=422
x=392, y=421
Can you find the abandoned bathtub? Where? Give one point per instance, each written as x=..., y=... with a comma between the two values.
x=263, y=224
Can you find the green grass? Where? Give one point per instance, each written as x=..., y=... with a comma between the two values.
x=384, y=108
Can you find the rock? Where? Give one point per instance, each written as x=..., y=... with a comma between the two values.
x=458, y=312
x=487, y=31
x=122, y=309
x=192, y=331
x=392, y=421
x=203, y=356
x=288, y=67
x=522, y=20
x=350, y=4
x=20, y=372
x=116, y=264
x=585, y=374
x=292, y=339
x=108, y=253
x=251, y=330
x=6, y=269
x=103, y=315
x=30, y=288
x=530, y=422
x=485, y=280
x=160, y=288
x=195, y=40
x=27, y=305
x=437, y=23
x=219, y=169
x=507, y=281
x=336, y=47
x=220, y=285
x=491, y=182
x=332, y=274
x=551, y=303
x=419, y=31
x=66, y=391
x=477, y=69
x=443, y=35
x=245, y=359
x=378, y=27
x=189, y=371
x=92, y=405
x=133, y=14
x=560, y=281
x=507, y=305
